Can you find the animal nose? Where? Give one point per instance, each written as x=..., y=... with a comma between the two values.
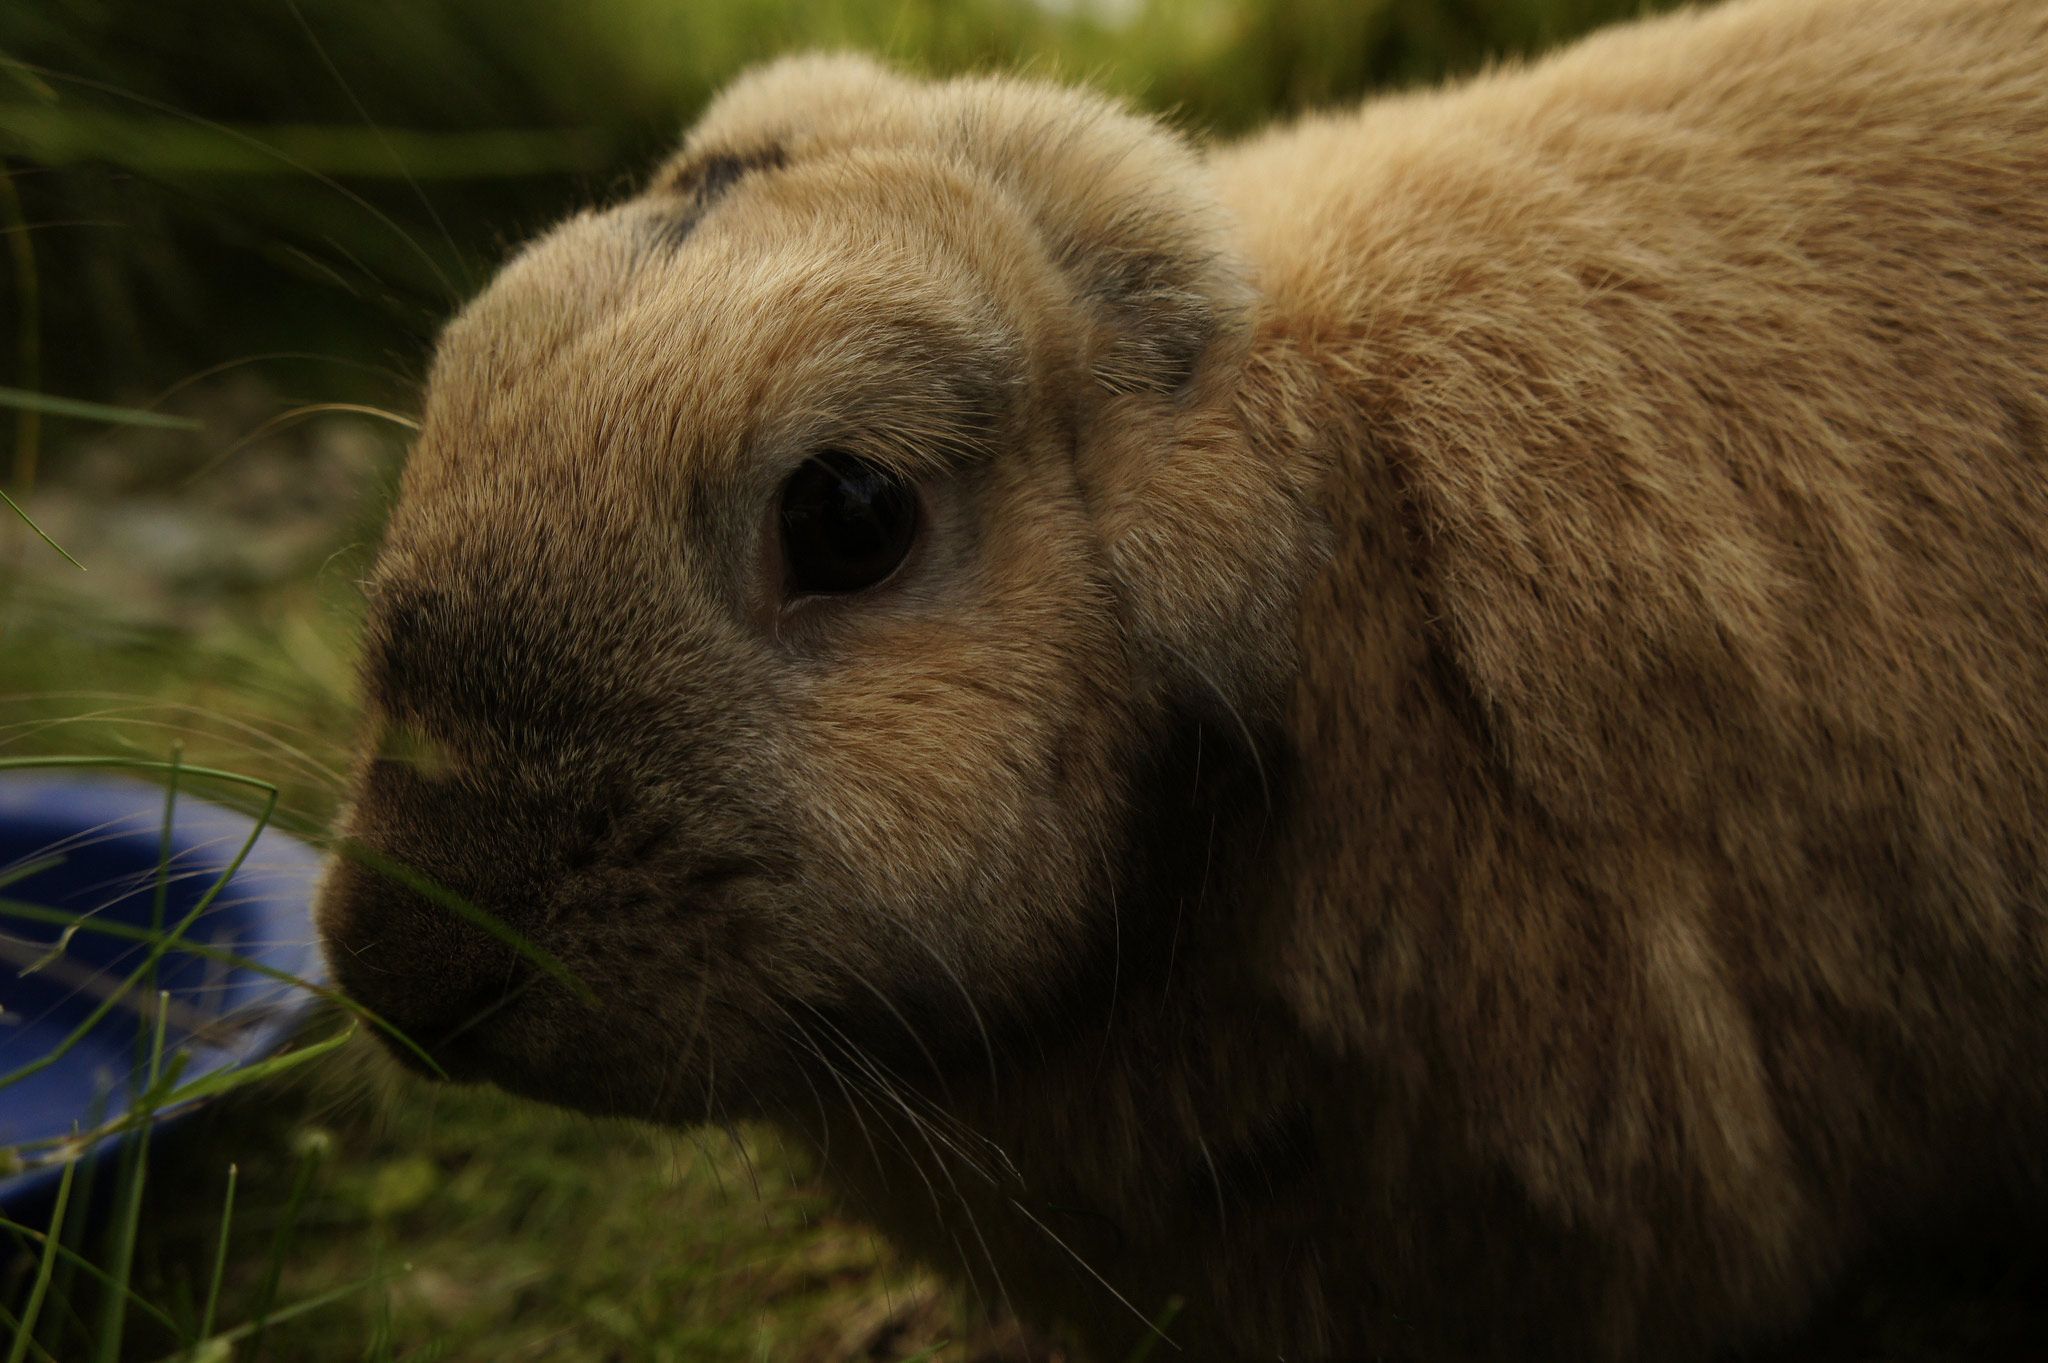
x=433, y=980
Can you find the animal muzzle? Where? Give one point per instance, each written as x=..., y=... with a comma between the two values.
x=420, y=956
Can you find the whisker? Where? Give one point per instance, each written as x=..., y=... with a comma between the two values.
x=886, y=1083
x=832, y=1070
x=746, y=1156
x=973, y=1010
x=482, y=1015
x=1116, y=967
x=397, y=160
x=1090, y=1268
x=1251, y=744
x=224, y=366
x=916, y=1038
x=926, y=1131
x=696, y=1029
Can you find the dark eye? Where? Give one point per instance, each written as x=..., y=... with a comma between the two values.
x=846, y=523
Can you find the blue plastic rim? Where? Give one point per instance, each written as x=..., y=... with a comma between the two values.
x=109, y=832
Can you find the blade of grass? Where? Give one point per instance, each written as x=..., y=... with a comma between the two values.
x=117, y=995
x=298, y=413
x=175, y=935
x=134, y=1176
x=11, y=1322
x=224, y=1081
x=28, y=521
x=72, y=1259
x=296, y=1309
x=220, y=1257
x=397, y=161
x=114, y=997
x=200, y=375
x=171, y=111
x=165, y=1081
x=168, y=1095
x=280, y=1245
x=24, y=1333
x=49, y=960
x=21, y=399
x=183, y=144
x=427, y=888
x=28, y=339
x=83, y=1200
x=146, y=764
x=38, y=89
x=27, y=869
x=379, y=1349
x=161, y=891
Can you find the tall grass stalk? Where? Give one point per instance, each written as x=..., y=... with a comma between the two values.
x=28, y=334
x=134, y=1176
x=25, y=1328
x=220, y=1258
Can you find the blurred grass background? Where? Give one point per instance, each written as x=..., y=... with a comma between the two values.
x=206, y=181
x=252, y=215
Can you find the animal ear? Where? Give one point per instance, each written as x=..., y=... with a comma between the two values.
x=1124, y=208
x=1120, y=202
x=1211, y=539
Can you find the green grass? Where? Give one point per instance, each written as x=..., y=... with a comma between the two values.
x=302, y=190
x=504, y=1228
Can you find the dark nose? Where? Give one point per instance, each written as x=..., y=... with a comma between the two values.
x=426, y=904
x=433, y=980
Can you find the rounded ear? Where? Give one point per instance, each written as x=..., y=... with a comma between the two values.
x=1126, y=212
x=1122, y=204
x=1212, y=537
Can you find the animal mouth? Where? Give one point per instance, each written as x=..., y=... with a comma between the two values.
x=460, y=1048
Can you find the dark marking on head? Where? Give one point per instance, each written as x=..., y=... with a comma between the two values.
x=698, y=184
x=710, y=178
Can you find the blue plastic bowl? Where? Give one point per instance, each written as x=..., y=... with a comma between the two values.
x=108, y=831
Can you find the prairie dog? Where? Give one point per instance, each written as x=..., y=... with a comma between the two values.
x=1428, y=732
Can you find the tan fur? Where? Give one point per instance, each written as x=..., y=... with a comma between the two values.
x=1458, y=771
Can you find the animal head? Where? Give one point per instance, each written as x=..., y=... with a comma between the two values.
x=804, y=574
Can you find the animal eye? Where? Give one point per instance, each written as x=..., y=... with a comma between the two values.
x=846, y=523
